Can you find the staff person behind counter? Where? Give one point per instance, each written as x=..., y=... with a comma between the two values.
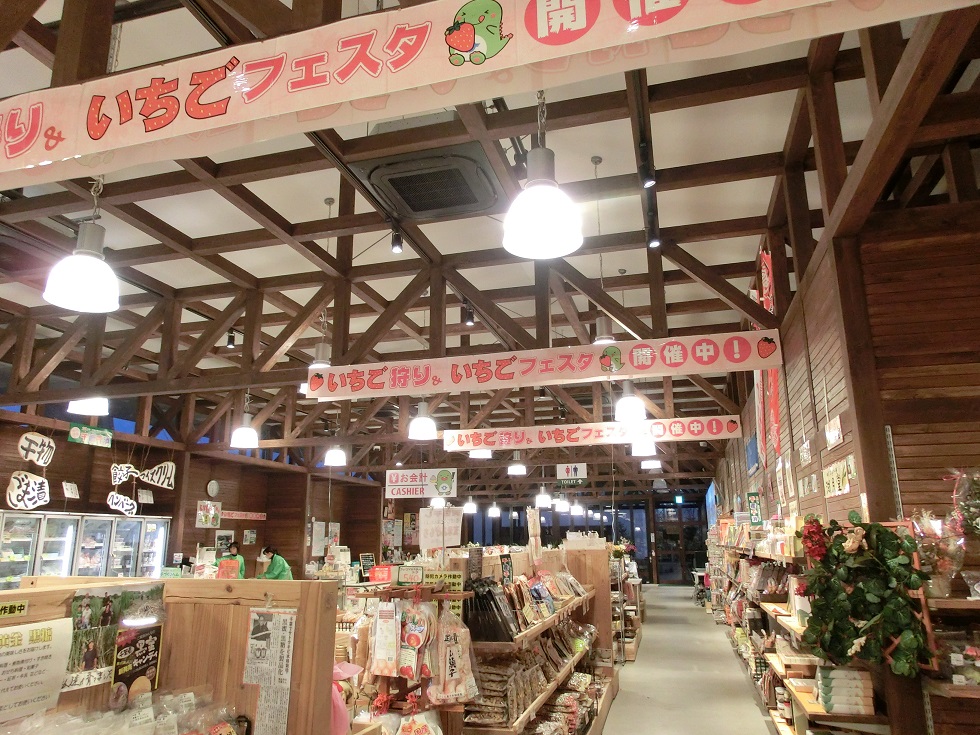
x=278, y=568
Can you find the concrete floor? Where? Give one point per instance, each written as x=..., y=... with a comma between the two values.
x=686, y=679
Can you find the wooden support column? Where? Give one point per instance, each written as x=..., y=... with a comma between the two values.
x=94, y=334
x=340, y=338
x=828, y=141
x=182, y=502
x=881, y=49
x=961, y=179
x=144, y=414
x=84, y=38
x=798, y=219
x=313, y=13
x=16, y=14
x=437, y=313
x=170, y=337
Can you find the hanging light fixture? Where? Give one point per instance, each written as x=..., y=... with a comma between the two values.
x=437, y=502
x=603, y=331
x=321, y=353
x=561, y=505
x=335, y=457
x=469, y=316
x=542, y=499
x=422, y=427
x=92, y=406
x=654, y=240
x=493, y=511
x=397, y=244
x=481, y=454
x=517, y=468
x=651, y=464
x=629, y=407
x=230, y=343
x=469, y=507
x=245, y=437
x=542, y=222
x=515, y=514
x=83, y=281
x=645, y=446
x=577, y=509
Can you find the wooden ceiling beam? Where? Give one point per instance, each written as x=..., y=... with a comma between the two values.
x=286, y=338
x=263, y=18
x=503, y=326
x=393, y=313
x=84, y=39
x=134, y=340
x=38, y=41
x=16, y=14
x=217, y=329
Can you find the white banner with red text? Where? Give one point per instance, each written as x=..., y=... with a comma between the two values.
x=699, y=428
x=650, y=358
x=382, y=65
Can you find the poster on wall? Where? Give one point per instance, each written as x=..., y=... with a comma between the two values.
x=248, y=537
x=388, y=534
x=836, y=479
x=755, y=509
x=833, y=432
x=208, y=514
x=399, y=533
x=222, y=540
x=93, y=436
x=136, y=668
x=46, y=645
x=269, y=663
x=440, y=528
x=95, y=615
x=333, y=534
x=752, y=455
x=410, y=536
x=36, y=448
x=319, y=538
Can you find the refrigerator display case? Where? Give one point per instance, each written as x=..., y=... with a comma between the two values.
x=17, y=544
x=56, y=553
x=154, y=547
x=124, y=549
x=93, y=547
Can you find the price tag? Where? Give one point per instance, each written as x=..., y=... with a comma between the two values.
x=166, y=725
x=186, y=702
x=959, y=680
x=139, y=717
x=956, y=659
x=143, y=701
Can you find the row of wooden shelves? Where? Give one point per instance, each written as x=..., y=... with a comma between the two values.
x=491, y=648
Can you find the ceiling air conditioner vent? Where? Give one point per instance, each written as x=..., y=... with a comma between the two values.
x=433, y=184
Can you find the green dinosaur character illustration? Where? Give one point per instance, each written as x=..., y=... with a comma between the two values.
x=476, y=36
x=444, y=482
x=611, y=360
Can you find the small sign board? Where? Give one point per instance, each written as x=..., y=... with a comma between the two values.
x=571, y=474
x=91, y=435
x=409, y=576
x=755, y=509
x=832, y=431
x=144, y=495
x=70, y=489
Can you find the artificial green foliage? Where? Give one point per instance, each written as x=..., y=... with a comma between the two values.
x=859, y=583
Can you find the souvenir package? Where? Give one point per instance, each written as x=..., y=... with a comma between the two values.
x=390, y=722
x=453, y=680
x=489, y=615
x=418, y=620
x=386, y=640
x=422, y=723
x=959, y=657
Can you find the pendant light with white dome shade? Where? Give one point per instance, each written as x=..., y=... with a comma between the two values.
x=83, y=281
x=542, y=222
x=245, y=436
x=92, y=406
x=629, y=407
x=335, y=457
x=469, y=507
x=422, y=427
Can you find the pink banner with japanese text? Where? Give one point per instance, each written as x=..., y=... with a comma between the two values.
x=708, y=354
x=691, y=428
x=382, y=65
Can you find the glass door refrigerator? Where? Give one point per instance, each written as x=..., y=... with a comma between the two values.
x=93, y=547
x=56, y=553
x=124, y=547
x=17, y=542
x=154, y=547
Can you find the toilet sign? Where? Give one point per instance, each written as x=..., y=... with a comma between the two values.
x=571, y=474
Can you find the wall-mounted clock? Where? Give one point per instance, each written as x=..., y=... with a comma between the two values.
x=213, y=488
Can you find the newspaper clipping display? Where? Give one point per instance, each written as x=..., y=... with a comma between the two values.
x=269, y=663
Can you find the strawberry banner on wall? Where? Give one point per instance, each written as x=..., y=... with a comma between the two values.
x=573, y=435
x=715, y=353
x=380, y=65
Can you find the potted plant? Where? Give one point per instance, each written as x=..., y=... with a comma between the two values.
x=861, y=584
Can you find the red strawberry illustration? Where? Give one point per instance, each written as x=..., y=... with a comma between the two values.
x=461, y=36
x=316, y=382
x=732, y=425
x=406, y=671
x=605, y=361
x=767, y=347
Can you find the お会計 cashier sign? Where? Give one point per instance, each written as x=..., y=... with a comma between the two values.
x=399, y=62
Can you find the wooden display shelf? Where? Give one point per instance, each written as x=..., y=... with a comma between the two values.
x=815, y=711
x=785, y=558
x=425, y=592
x=605, y=703
x=953, y=603
x=779, y=614
x=493, y=648
x=782, y=727
x=954, y=691
x=777, y=664
x=521, y=722
x=632, y=647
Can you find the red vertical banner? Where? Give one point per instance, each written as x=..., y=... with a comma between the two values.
x=761, y=406
x=772, y=378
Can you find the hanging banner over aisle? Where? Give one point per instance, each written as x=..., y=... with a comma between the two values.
x=610, y=432
x=650, y=358
x=379, y=65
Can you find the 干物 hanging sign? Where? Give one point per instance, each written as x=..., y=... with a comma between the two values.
x=365, y=67
x=610, y=432
x=427, y=482
x=36, y=448
x=162, y=475
x=126, y=506
x=716, y=353
x=27, y=491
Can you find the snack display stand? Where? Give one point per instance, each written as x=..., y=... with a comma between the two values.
x=206, y=635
